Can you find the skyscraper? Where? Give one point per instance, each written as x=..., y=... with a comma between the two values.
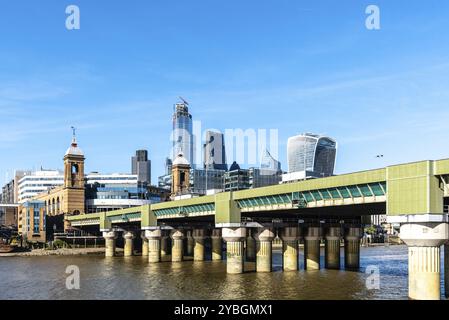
x=182, y=133
x=214, y=151
x=141, y=166
x=312, y=155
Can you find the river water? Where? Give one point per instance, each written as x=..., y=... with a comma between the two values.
x=135, y=278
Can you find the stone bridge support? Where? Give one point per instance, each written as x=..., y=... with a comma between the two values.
x=144, y=244
x=264, y=256
x=446, y=270
x=110, y=238
x=353, y=234
x=128, y=250
x=165, y=249
x=312, y=248
x=154, y=245
x=199, y=236
x=424, y=241
x=234, y=238
x=190, y=243
x=332, y=247
x=217, y=245
x=290, y=237
x=250, y=246
x=177, y=250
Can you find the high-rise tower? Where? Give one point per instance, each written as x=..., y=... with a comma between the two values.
x=214, y=151
x=141, y=166
x=182, y=132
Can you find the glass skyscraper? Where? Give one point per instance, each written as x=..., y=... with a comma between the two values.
x=312, y=154
x=182, y=133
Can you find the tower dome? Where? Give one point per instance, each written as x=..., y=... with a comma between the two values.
x=180, y=160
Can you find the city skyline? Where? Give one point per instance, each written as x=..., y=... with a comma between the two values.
x=330, y=87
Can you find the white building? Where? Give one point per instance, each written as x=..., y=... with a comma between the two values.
x=34, y=183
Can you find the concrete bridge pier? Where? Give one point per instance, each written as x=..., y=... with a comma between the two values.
x=177, y=250
x=312, y=248
x=332, y=247
x=128, y=250
x=154, y=245
x=165, y=250
x=144, y=244
x=190, y=243
x=264, y=256
x=446, y=270
x=110, y=238
x=290, y=236
x=217, y=246
x=199, y=236
x=234, y=238
x=250, y=246
x=424, y=241
x=353, y=235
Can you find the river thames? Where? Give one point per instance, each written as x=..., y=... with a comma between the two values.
x=135, y=278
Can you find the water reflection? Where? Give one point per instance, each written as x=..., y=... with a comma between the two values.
x=135, y=278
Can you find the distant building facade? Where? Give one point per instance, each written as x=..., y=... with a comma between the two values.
x=311, y=156
x=32, y=221
x=34, y=183
x=202, y=181
x=141, y=166
x=236, y=178
x=9, y=215
x=214, y=151
x=164, y=181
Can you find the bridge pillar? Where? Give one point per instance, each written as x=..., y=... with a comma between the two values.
x=177, y=249
x=446, y=270
x=332, y=247
x=190, y=243
x=129, y=243
x=199, y=235
x=234, y=238
x=217, y=246
x=110, y=237
x=165, y=250
x=154, y=245
x=353, y=234
x=144, y=245
x=424, y=241
x=290, y=236
x=312, y=248
x=264, y=254
x=250, y=246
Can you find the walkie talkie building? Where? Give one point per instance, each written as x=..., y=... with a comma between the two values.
x=313, y=155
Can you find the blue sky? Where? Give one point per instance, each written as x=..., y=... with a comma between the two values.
x=293, y=65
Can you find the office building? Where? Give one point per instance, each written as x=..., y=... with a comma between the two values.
x=141, y=166
x=34, y=183
x=204, y=181
x=214, y=151
x=310, y=156
x=236, y=178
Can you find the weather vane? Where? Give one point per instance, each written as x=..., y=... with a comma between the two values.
x=73, y=131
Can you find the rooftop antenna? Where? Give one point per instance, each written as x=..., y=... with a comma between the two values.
x=184, y=101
